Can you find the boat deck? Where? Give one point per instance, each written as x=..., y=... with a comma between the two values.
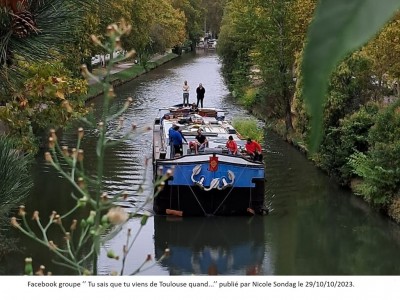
x=212, y=123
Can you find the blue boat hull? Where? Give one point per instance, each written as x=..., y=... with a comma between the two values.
x=238, y=188
x=193, y=201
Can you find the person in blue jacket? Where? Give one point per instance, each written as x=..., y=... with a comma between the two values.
x=176, y=139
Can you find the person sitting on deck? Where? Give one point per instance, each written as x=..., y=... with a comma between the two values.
x=254, y=150
x=194, y=108
x=200, y=143
x=232, y=146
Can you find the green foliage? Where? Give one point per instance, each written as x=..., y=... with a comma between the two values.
x=49, y=97
x=249, y=128
x=213, y=12
x=249, y=97
x=383, y=51
x=53, y=20
x=339, y=27
x=257, y=35
x=235, y=45
x=350, y=136
x=15, y=185
x=75, y=236
x=276, y=54
x=193, y=12
x=379, y=166
x=350, y=86
x=15, y=181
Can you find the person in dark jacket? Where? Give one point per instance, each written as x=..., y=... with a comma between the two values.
x=200, y=91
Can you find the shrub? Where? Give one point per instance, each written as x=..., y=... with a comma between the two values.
x=248, y=97
x=249, y=128
x=379, y=166
x=341, y=142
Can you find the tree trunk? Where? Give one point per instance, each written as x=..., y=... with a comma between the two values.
x=288, y=112
x=286, y=97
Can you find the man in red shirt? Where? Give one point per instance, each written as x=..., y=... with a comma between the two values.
x=231, y=145
x=254, y=150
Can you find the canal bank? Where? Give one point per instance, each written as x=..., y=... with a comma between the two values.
x=392, y=213
x=120, y=73
x=124, y=72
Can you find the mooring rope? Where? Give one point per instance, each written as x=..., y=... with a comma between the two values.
x=194, y=194
x=227, y=195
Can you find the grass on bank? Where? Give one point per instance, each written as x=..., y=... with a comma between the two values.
x=249, y=128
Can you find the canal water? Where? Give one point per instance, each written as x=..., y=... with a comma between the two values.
x=314, y=228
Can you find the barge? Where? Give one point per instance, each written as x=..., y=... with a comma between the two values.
x=205, y=181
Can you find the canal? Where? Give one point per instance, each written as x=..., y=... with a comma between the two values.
x=314, y=228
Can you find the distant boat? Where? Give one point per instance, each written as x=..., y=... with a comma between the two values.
x=209, y=44
x=211, y=182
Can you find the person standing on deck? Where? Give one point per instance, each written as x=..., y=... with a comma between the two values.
x=200, y=91
x=185, y=89
x=176, y=139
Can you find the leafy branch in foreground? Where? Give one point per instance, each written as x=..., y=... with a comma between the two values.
x=78, y=243
x=338, y=28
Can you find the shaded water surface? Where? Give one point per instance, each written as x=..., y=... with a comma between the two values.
x=314, y=228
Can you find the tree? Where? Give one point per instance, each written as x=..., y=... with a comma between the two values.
x=194, y=20
x=15, y=184
x=169, y=28
x=301, y=12
x=276, y=54
x=235, y=44
x=29, y=29
x=15, y=180
x=379, y=167
x=213, y=13
x=338, y=28
x=384, y=51
x=50, y=97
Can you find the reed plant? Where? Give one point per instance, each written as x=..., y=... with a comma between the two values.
x=249, y=128
x=75, y=237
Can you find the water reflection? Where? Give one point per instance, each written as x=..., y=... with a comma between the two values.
x=214, y=246
x=318, y=228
